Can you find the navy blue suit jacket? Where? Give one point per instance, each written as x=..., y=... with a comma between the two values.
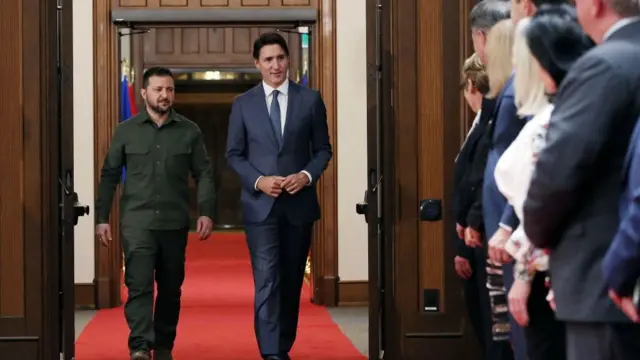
x=506, y=127
x=253, y=151
x=621, y=265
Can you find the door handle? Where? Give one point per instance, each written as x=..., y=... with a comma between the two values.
x=78, y=208
x=430, y=210
x=362, y=208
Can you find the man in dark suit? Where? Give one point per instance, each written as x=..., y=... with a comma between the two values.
x=621, y=265
x=572, y=205
x=278, y=143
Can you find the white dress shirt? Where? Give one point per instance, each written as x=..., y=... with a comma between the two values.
x=283, y=101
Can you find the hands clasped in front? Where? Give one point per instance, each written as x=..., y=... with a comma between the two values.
x=274, y=185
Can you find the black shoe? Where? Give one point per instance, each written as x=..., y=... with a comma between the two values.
x=162, y=354
x=140, y=355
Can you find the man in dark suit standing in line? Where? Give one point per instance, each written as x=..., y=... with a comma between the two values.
x=572, y=206
x=278, y=143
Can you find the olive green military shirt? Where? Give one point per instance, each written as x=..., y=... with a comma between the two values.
x=157, y=162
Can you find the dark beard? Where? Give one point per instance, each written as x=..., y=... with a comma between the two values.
x=158, y=110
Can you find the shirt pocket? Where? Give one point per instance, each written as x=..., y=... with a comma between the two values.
x=179, y=159
x=138, y=160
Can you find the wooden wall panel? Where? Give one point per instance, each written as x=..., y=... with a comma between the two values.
x=29, y=240
x=159, y=4
x=11, y=148
x=209, y=47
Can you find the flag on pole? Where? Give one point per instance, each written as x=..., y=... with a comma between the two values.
x=127, y=106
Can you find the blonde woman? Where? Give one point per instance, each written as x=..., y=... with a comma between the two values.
x=544, y=335
x=503, y=128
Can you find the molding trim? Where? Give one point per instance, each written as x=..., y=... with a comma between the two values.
x=106, y=114
x=324, y=252
x=85, y=296
x=353, y=293
x=324, y=249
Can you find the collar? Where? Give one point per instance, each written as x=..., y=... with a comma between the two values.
x=283, y=88
x=173, y=116
x=619, y=25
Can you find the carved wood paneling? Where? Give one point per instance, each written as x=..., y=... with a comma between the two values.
x=426, y=50
x=209, y=47
x=11, y=161
x=159, y=4
x=324, y=248
x=29, y=240
x=108, y=260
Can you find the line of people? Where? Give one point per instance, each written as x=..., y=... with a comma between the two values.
x=547, y=187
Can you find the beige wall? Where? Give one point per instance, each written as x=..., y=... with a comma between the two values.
x=351, y=147
x=83, y=136
x=352, y=138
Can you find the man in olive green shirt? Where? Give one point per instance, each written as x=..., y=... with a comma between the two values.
x=158, y=149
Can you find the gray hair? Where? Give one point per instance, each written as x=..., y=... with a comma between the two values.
x=625, y=8
x=487, y=13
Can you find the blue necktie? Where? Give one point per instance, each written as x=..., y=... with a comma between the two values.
x=274, y=115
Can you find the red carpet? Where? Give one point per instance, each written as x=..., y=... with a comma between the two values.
x=216, y=321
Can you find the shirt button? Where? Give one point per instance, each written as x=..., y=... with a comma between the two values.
x=158, y=146
x=157, y=212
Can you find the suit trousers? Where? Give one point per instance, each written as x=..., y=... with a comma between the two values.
x=153, y=255
x=589, y=341
x=279, y=252
x=545, y=335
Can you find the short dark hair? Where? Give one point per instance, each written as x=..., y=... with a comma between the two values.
x=269, y=38
x=556, y=39
x=487, y=13
x=155, y=71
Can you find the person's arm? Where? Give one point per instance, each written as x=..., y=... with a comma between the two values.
x=509, y=219
x=580, y=126
x=320, y=145
x=621, y=264
x=110, y=176
x=203, y=176
x=237, y=150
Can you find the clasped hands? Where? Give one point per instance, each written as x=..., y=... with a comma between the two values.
x=273, y=185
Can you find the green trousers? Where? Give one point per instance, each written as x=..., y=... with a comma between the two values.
x=153, y=255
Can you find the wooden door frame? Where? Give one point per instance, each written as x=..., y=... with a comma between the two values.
x=413, y=60
x=106, y=95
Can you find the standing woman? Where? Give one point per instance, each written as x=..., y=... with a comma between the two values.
x=541, y=62
x=503, y=128
x=468, y=265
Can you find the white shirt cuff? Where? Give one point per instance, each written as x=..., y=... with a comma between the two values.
x=255, y=186
x=308, y=175
x=506, y=227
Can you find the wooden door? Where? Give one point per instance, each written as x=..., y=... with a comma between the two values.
x=415, y=112
x=36, y=248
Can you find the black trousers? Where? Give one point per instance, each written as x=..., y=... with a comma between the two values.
x=279, y=252
x=479, y=307
x=545, y=335
x=153, y=255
